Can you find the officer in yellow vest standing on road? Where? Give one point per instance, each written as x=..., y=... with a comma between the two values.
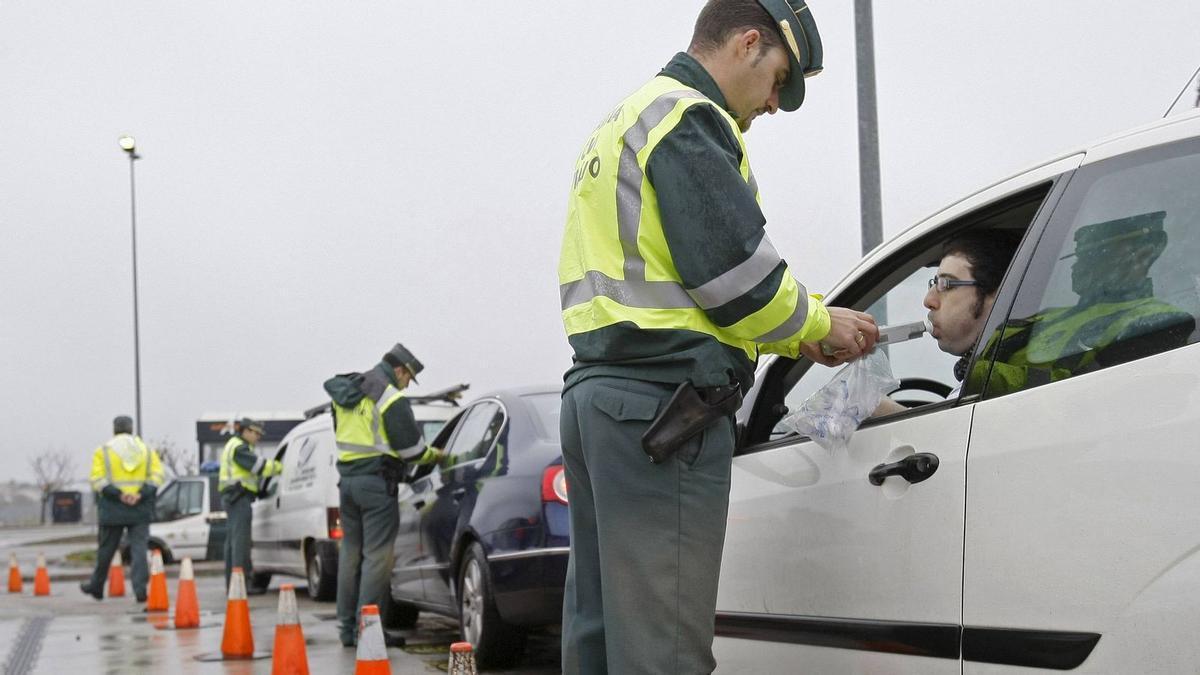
x=126, y=475
x=377, y=436
x=241, y=471
x=670, y=291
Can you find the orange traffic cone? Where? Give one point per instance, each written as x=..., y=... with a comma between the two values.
x=372, y=651
x=462, y=659
x=187, y=606
x=14, y=574
x=41, y=579
x=157, y=601
x=291, y=657
x=238, y=640
x=116, y=577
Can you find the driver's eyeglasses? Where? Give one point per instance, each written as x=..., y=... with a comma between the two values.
x=943, y=284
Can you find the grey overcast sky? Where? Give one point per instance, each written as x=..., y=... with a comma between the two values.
x=320, y=179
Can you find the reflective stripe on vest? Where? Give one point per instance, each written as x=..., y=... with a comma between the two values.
x=361, y=433
x=121, y=485
x=232, y=472
x=609, y=275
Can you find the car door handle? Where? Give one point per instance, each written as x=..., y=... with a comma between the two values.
x=914, y=469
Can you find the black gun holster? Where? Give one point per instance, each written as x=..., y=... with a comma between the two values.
x=392, y=471
x=688, y=412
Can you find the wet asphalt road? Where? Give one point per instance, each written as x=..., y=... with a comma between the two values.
x=69, y=632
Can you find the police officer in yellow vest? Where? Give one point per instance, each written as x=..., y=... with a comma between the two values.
x=377, y=436
x=242, y=470
x=1117, y=318
x=126, y=475
x=670, y=290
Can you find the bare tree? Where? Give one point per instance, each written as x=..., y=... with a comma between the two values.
x=176, y=460
x=52, y=472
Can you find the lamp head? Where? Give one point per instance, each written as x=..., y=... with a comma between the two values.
x=127, y=144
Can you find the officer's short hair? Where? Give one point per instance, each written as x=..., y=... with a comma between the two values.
x=122, y=424
x=721, y=18
x=989, y=253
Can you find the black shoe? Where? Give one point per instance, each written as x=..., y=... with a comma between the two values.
x=393, y=640
x=87, y=590
x=141, y=599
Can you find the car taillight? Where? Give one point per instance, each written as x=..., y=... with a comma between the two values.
x=554, y=484
x=334, y=518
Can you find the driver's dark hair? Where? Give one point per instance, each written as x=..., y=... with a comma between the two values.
x=989, y=253
x=720, y=18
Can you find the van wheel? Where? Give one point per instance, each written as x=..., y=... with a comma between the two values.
x=322, y=576
x=401, y=615
x=497, y=644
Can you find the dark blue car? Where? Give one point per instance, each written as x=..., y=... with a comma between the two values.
x=484, y=535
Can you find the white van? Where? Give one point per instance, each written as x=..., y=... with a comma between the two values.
x=297, y=527
x=189, y=521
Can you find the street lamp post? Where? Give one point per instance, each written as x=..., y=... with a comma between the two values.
x=130, y=148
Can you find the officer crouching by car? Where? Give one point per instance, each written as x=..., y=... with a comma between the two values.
x=376, y=437
x=241, y=470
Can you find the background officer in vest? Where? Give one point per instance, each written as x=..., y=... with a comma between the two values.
x=376, y=436
x=241, y=471
x=674, y=300
x=126, y=475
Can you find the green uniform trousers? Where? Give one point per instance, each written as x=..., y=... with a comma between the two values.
x=238, y=518
x=646, y=539
x=370, y=521
x=109, y=541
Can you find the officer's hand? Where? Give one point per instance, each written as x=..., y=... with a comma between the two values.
x=851, y=335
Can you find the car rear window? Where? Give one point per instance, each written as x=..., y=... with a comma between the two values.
x=545, y=413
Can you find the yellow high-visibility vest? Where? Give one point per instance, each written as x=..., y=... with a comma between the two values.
x=361, y=434
x=615, y=265
x=126, y=463
x=232, y=472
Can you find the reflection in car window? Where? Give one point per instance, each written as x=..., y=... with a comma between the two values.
x=546, y=409
x=1116, y=279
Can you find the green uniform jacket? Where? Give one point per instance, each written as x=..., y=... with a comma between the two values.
x=402, y=431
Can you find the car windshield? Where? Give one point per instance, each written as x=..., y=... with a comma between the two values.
x=545, y=415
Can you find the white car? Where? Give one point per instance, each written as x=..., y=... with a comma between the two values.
x=297, y=527
x=1058, y=528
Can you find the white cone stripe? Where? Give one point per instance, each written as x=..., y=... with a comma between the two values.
x=370, y=640
x=12, y=560
x=185, y=570
x=237, y=586
x=116, y=561
x=289, y=614
x=156, y=563
x=41, y=560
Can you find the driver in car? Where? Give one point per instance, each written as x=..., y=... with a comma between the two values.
x=961, y=294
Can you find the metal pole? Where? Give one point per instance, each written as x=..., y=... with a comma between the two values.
x=137, y=351
x=871, y=208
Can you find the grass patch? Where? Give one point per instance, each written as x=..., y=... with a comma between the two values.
x=85, y=557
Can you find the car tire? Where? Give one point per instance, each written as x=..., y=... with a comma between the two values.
x=322, y=575
x=497, y=644
x=401, y=615
x=260, y=580
x=166, y=553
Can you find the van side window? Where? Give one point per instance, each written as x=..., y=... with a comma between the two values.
x=191, y=498
x=166, y=504
x=1116, y=277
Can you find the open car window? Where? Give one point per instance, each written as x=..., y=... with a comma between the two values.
x=893, y=292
